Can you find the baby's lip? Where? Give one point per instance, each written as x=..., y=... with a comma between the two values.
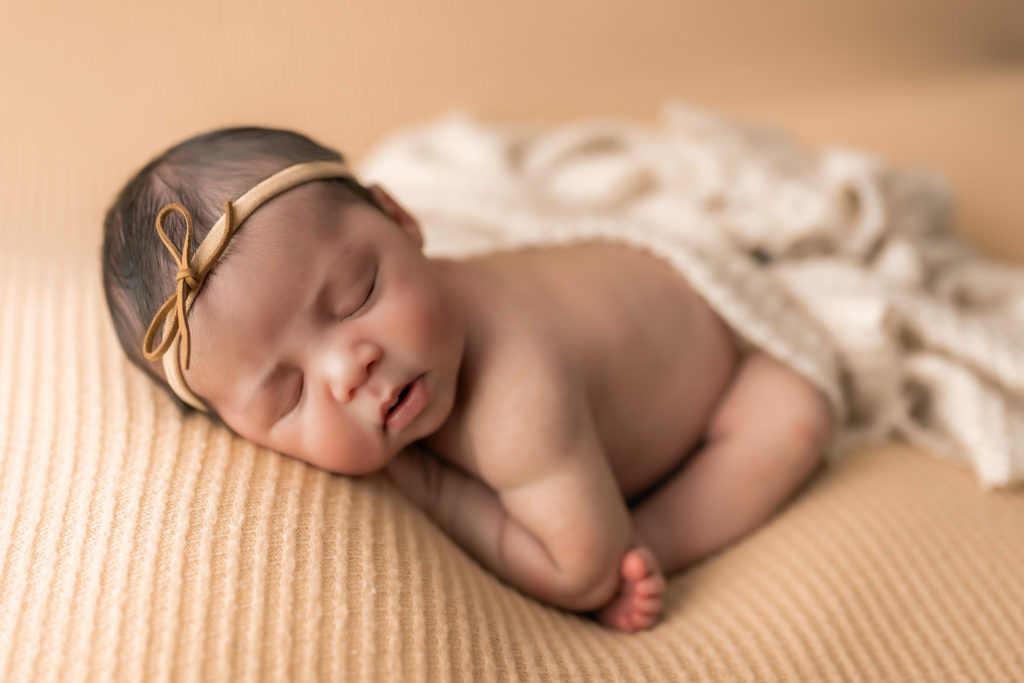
x=392, y=398
x=412, y=400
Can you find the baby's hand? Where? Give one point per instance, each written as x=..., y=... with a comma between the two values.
x=638, y=603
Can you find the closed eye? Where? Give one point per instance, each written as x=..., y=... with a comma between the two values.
x=299, y=386
x=365, y=298
x=296, y=397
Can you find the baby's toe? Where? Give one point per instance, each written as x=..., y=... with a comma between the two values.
x=653, y=585
x=617, y=615
x=622, y=621
x=647, y=605
x=634, y=566
x=641, y=621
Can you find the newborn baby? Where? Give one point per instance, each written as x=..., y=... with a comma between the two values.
x=577, y=418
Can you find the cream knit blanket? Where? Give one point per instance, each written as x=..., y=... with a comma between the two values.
x=837, y=263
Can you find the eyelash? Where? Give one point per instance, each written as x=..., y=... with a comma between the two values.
x=362, y=304
x=298, y=394
x=302, y=378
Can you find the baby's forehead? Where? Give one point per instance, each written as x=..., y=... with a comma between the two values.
x=287, y=227
x=281, y=247
x=311, y=203
x=274, y=264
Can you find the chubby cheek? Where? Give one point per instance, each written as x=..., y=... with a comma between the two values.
x=342, y=448
x=425, y=323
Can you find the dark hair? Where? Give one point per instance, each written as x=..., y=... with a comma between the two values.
x=200, y=174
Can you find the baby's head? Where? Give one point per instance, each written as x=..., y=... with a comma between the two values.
x=321, y=330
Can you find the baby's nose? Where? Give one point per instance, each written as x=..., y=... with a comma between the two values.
x=348, y=370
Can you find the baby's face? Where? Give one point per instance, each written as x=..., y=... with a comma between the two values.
x=326, y=334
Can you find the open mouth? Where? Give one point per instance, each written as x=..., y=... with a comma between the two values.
x=398, y=400
x=408, y=404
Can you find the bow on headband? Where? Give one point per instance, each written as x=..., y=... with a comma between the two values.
x=188, y=279
x=172, y=316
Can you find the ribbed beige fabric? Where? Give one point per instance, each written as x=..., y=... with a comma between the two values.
x=142, y=546
x=139, y=545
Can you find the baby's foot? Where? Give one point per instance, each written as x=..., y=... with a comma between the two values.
x=639, y=600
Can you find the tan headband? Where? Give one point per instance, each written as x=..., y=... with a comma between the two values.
x=172, y=316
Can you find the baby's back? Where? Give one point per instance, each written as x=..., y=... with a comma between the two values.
x=650, y=355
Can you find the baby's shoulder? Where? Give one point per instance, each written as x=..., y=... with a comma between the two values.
x=528, y=406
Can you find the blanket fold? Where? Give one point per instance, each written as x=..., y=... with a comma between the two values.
x=835, y=262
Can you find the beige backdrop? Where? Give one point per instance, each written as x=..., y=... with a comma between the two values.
x=90, y=90
x=135, y=544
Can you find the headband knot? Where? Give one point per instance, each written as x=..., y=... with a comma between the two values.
x=188, y=275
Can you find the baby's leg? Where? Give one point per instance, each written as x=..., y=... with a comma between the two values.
x=765, y=437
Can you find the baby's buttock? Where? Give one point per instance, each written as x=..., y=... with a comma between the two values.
x=656, y=357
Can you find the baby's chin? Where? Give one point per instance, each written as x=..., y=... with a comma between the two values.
x=351, y=465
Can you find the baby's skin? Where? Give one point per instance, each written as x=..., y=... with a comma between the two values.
x=578, y=419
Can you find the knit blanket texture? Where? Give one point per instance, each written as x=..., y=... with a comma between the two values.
x=837, y=262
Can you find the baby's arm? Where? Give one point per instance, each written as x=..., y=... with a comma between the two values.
x=559, y=535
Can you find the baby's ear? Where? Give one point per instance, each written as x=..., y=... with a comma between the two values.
x=405, y=220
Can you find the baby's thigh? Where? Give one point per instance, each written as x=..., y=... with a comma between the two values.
x=772, y=404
